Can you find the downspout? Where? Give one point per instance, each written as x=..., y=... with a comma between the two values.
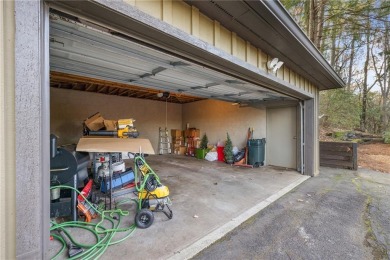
x=302, y=121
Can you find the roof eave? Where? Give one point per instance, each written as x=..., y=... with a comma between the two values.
x=268, y=26
x=282, y=14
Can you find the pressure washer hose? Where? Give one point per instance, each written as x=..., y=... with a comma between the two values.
x=103, y=235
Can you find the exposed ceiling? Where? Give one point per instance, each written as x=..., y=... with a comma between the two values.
x=74, y=82
x=81, y=51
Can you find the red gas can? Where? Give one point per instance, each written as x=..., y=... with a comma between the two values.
x=221, y=156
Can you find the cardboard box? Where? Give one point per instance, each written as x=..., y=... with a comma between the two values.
x=175, y=133
x=178, y=141
x=192, y=132
x=122, y=123
x=182, y=150
x=95, y=122
x=110, y=125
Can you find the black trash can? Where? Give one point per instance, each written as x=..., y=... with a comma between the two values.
x=256, y=150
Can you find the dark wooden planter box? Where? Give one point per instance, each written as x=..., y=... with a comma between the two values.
x=339, y=155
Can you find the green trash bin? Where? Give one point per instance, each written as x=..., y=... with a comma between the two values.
x=256, y=151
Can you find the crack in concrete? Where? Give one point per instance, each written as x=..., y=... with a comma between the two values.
x=378, y=250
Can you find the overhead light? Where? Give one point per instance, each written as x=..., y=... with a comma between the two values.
x=274, y=64
x=163, y=94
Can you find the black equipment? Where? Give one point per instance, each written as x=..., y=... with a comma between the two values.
x=66, y=168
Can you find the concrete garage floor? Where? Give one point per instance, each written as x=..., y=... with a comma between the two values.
x=209, y=200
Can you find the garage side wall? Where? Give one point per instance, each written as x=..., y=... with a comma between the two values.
x=7, y=131
x=70, y=108
x=215, y=118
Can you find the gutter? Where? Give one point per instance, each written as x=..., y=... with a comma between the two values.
x=278, y=10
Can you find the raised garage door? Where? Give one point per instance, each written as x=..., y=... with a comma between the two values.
x=282, y=137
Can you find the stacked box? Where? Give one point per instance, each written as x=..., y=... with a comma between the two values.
x=177, y=141
x=192, y=132
x=176, y=133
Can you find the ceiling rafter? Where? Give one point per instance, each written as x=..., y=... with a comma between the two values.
x=70, y=81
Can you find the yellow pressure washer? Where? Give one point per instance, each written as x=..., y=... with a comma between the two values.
x=152, y=195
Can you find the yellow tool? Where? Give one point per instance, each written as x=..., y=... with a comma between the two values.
x=125, y=129
x=160, y=192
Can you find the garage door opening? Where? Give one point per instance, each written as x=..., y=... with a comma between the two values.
x=96, y=69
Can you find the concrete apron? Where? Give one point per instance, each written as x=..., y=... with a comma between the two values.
x=209, y=200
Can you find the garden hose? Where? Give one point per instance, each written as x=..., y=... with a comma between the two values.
x=103, y=235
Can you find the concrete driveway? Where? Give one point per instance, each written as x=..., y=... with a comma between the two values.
x=340, y=214
x=210, y=199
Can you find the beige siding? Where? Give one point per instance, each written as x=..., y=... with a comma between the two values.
x=252, y=55
x=286, y=72
x=241, y=48
x=167, y=11
x=217, y=34
x=195, y=21
x=262, y=63
x=280, y=73
x=182, y=16
x=292, y=77
x=225, y=42
x=207, y=31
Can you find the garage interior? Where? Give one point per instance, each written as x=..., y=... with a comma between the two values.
x=96, y=69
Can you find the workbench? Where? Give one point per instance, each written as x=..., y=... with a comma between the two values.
x=111, y=145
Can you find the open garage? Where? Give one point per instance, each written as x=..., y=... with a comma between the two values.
x=170, y=65
x=131, y=75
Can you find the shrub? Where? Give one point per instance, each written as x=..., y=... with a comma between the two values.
x=386, y=137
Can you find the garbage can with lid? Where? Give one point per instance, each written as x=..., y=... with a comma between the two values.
x=256, y=152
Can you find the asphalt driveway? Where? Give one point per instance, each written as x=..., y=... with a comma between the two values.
x=340, y=214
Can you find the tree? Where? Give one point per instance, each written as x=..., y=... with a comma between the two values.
x=353, y=35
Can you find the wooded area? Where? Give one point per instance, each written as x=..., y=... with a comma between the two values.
x=353, y=35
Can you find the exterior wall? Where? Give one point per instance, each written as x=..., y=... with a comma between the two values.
x=31, y=135
x=25, y=139
x=189, y=19
x=311, y=136
x=216, y=118
x=7, y=131
x=70, y=108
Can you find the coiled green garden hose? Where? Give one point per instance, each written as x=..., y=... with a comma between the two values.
x=103, y=236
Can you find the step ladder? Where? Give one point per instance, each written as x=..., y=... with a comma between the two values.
x=164, y=145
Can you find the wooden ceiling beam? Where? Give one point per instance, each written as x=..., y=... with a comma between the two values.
x=64, y=80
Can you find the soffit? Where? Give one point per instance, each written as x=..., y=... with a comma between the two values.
x=268, y=26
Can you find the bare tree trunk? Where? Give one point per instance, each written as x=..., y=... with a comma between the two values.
x=312, y=19
x=386, y=80
x=351, y=64
x=363, y=117
x=333, y=48
x=320, y=24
